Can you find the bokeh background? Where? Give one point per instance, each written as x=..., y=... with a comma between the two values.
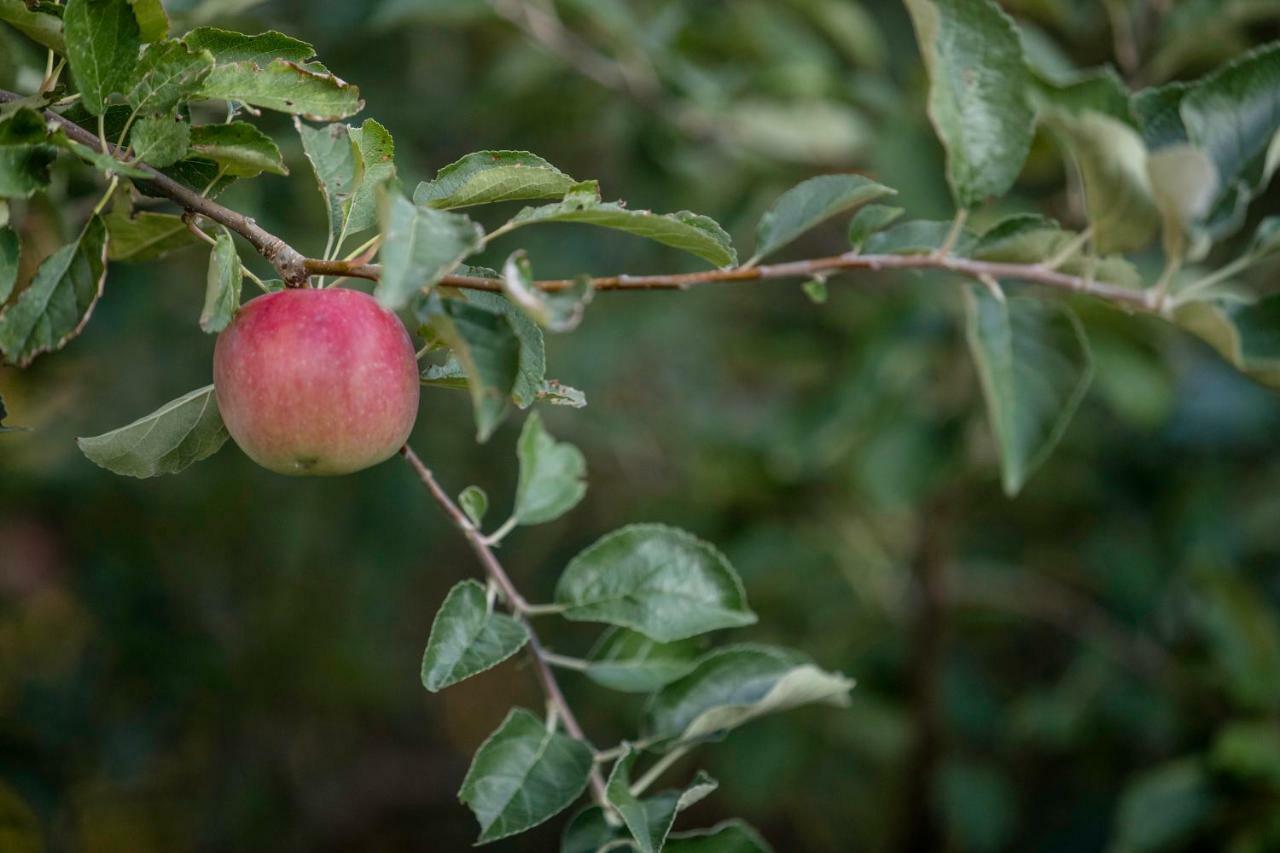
x=228, y=660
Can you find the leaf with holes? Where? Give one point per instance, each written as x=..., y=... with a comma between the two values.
x=658, y=580
x=522, y=775
x=468, y=637
x=178, y=434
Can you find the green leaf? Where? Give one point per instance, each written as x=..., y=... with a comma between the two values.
x=168, y=74
x=736, y=684
x=487, y=177
x=153, y=23
x=176, y=435
x=144, y=236
x=222, y=285
x=816, y=290
x=10, y=253
x=870, y=220
x=419, y=246
x=230, y=48
x=1026, y=238
x=589, y=832
x=475, y=503
x=556, y=393
x=552, y=475
x=1266, y=239
x=1248, y=750
x=632, y=663
x=160, y=140
x=103, y=41
x=308, y=90
x=1246, y=335
x=36, y=24
x=468, y=637
x=650, y=820
x=977, y=83
x=1162, y=806
x=559, y=311
x=730, y=836
x=523, y=775
x=240, y=147
x=919, y=237
x=25, y=157
x=377, y=152
x=1034, y=364
x=658, y=580
x=810, y=203
x=95, y=158
x=55, y=306
x=1184, y=184
x=338, y=166
x=690, y=232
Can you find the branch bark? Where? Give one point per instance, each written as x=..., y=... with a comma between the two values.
x=515, y=603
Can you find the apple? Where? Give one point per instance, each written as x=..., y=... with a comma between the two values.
x=316, y=382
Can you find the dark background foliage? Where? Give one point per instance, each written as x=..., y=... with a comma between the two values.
x=227, y=660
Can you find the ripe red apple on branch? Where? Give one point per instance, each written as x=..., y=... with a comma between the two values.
x=313, y=382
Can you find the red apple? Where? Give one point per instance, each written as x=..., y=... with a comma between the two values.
x=316, y=381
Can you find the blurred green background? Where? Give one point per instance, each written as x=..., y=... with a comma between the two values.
x=228, y=660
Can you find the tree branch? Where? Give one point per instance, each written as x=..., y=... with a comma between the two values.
x=296, y=269
x=288, y=261
x=515, y=602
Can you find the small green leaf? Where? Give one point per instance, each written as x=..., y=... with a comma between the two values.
x=166, y=441
x=552, y=475
x=168, y=74
x=522, y=775
x=240, y=147
x=919, y=237
x=338, y=166
x=977, y=82
x=810, y=203
x=650, y=820
x=559, y=311
x=589, y=832
x=153, y=23
x=144, y=235
x=869, y=220
x=816, y=290
x=222, y=286
x=658, y=580
x=468, y=637
x=1035, y=366
x=690, y=232
x=160, y=140
x=475, y=503
x=25, y=156
x=36, y=24
x=103, y=41
x=736, y=684
x=56, y=305
x=229, y=47
x=487, y=177
x=10, y=254
x=305, y=89
x=377, y=152
x=632, y=663
x=1027, y=238
x=419, y=246
x=730, y=836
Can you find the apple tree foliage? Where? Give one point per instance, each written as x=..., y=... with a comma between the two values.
x=1171, y=168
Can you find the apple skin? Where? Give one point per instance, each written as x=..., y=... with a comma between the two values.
x=316, y=382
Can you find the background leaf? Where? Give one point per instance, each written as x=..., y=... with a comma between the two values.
x=475, y=503
x=468, y=637
x=178, y=434
x=10, y=254
x=1034, y=363
x=658, y=580
x=730, y=836
x=523, y=775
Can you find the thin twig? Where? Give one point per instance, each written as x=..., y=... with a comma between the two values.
x=515, y=603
